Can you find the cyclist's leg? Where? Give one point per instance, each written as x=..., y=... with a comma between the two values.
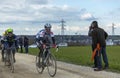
x=8, y=53
x=46, y=54
x=41, y=51
x=4, y=47
x=13, y=51
x=39, y=57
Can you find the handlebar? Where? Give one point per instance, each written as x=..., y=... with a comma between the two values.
x=48, y=47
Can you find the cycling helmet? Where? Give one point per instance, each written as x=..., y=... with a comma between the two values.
x=47, y=25
x=9, y=30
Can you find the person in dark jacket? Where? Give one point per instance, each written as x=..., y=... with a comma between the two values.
x=98, y=37
x=21, y=44
x=26, y=44
x=90, y=34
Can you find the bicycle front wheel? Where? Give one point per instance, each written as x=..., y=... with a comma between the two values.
x=51, y=65
x=11, y=62
x=39, y=65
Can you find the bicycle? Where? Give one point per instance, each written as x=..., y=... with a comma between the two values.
x=8, y=58
x=46, y=60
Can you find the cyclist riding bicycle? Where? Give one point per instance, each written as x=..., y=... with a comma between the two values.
x=3, y=44
x=45, y=37
x=11, y=41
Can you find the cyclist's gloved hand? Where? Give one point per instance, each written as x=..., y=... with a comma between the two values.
x=54, y=45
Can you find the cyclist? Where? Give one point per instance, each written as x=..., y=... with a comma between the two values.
x=11, y=41
x=45, y=37
x=3, y=44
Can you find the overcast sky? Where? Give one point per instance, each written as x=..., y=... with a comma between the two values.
x=29, y=16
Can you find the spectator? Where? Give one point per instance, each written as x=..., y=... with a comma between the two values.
x=26, y=44
x=90, y=34
x=21, y=44
x=98, y=37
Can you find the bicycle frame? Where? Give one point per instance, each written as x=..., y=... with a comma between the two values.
x=47, y=49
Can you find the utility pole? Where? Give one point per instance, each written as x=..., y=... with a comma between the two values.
x=113, y=29
x=62, y=27
x=62, y=30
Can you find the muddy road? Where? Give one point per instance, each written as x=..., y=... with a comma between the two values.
x=25, y=68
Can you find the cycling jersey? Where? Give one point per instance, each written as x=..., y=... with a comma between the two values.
x=45, y=37
x=11, y=40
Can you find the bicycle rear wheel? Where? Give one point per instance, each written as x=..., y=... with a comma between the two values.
x=51, y=65
x=11, y=62
x=39, y=65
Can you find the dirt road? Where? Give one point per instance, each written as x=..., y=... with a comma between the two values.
x=25, y=68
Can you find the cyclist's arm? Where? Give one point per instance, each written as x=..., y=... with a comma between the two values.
x=15, y=40
x=2, y=40
x=39, y=39
x=53, y=38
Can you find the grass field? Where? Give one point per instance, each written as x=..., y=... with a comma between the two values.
x=81, y=55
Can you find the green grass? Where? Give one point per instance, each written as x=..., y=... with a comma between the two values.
x=81, y=55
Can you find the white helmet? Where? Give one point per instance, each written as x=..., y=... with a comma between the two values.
x=47, y=25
